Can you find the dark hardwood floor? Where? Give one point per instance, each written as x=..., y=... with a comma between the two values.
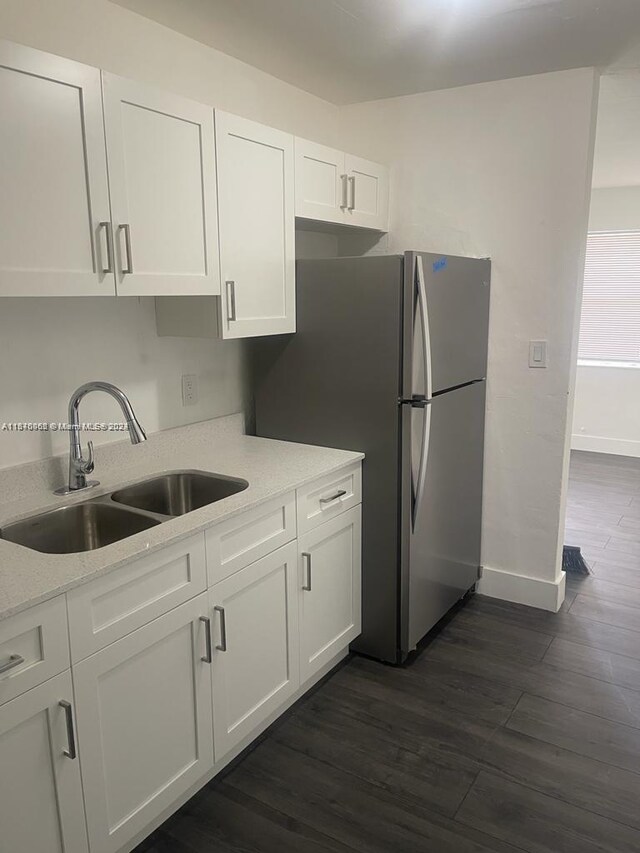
x=514, y=729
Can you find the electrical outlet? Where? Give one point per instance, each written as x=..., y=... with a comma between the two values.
x=189, y=389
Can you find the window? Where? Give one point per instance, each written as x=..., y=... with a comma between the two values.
x=610, y=320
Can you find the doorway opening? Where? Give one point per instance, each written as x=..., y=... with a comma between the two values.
x=603, y=503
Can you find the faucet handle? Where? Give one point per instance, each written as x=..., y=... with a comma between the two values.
x=88, y=465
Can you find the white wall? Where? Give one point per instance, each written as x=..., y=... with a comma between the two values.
x=503, y=169
x=50, y=346
x=606, y=416
x=47, y=346
x=615, y=209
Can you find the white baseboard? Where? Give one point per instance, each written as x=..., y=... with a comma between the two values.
x=543, y=594
x=600, y=444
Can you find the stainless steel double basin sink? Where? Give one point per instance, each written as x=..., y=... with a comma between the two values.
x=109, y=518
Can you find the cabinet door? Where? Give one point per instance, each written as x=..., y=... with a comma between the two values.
x=329, y=582
x=41, y=808
x=255, y=669
x=321, y=182
x=53, y=177
x=161, y=155
x=368, y=198
x=257, y=228
x=144, y=723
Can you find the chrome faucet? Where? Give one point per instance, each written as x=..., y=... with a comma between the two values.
x=78, y=466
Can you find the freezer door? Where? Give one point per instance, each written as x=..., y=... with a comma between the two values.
x=443, y=449
x=446, y=322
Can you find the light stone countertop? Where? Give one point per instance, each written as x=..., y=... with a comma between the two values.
x=219, y=446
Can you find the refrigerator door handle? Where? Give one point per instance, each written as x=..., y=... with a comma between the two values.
x=424, y=317
x=422, y=467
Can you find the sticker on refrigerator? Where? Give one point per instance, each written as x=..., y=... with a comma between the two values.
x=440, y=264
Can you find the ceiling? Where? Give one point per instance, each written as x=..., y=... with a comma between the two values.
x=353, y=50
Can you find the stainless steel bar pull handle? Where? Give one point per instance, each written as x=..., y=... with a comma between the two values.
x=307, y=556
x=339, y=494
x=223, y=629
x=107, y=230
x=71, y=737
x=352, y=181
x=423, y=403
x=231, y=300
x=423, y=308
x=208, y=655
x=422, y=465
x=344, y=203
x=12, y=662
x=126, y=229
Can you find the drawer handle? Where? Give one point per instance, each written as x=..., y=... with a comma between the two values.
x=208, y=655
x=71, y=737
x=222, y=647
x=307, y=556
x=12, y=663
x=339, y=494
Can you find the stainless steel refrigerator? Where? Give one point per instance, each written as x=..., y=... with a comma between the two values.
x=390, y=358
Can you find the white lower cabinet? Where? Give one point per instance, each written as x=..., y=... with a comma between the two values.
x=329, y=589
x=255, y=635
x=152, y=705
x=41, y=809
x=144, y=723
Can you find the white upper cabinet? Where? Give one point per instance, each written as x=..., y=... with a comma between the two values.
x=112, y=187
x=332, y=186
x=321, y=182
x=257, y=227
x=53, y=177
x=368, y=193
x=161, y=155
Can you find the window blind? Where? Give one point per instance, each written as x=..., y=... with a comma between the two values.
x=610, y=319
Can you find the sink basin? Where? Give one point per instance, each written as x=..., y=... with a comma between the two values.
x=179, y=492
x=110, y=518
x=81, y=527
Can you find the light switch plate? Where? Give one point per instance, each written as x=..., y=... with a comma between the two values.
x=537, y=353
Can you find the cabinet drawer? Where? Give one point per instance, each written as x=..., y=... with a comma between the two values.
x=127, y=598
x=327, y=497
x=34, y=646
x=245, y=538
